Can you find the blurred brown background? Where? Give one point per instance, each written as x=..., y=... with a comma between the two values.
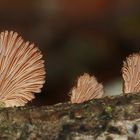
x=76, y=36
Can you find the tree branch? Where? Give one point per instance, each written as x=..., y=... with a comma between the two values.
x=103, y=119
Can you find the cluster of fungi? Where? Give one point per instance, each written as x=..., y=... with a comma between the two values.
x=22, y=74
x=88, y=87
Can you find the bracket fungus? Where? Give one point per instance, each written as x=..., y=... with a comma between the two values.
x=87, y=88
x=131, y=74
x=22, y=70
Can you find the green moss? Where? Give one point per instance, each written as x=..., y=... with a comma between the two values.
x=2, y=104
x=107, y=112
x=108, y=109
x=93, y=102
x=6, y=129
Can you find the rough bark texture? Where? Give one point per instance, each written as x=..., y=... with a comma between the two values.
x=110, y=118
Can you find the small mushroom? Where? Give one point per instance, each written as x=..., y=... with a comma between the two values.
x=131, y=74
x=87, y=88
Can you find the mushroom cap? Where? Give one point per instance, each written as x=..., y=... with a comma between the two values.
x=87, y=88
x=22, y=70
x=131, y=74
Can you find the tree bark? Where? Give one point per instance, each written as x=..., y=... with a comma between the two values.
x=110, y=118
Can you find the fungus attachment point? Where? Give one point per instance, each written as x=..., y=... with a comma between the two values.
x=22, y=71
x=87, y=88
x=131, y=74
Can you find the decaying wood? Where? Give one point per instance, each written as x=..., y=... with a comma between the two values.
x=102, y=119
